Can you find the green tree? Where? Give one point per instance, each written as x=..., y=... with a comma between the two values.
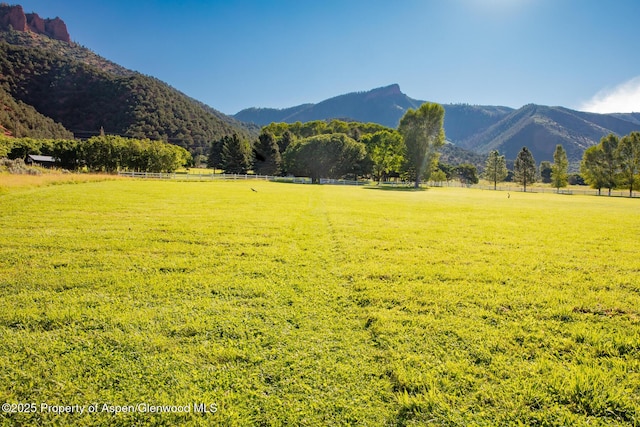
x=524, y=168
x=467, y=174
x=545, y=171
x=67, y=153
x=324, y=156
x=214, y=160
x=447, y=169
x=236, y=155
x=267, y=155
x=102, y=153
x=559, y=170
x=438, y=176
x=495, y=168
x=592, y=167
x=423, y=134
x=6, y=144
x=628, y=153
x=385, y=148
x=611, y=167
x=285, y=140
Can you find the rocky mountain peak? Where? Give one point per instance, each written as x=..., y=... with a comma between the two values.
x=13, y=17
x=390, y=90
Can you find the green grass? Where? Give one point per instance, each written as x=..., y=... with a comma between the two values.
x=319, y=305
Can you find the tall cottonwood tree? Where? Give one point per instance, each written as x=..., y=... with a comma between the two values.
x=524, y=168
x=592, y=167
x=560, y=167
x=496, y=168
x=423, y=134
x=628, y=153
x=610, y=166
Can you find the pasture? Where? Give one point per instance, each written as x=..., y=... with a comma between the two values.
x=316, y=305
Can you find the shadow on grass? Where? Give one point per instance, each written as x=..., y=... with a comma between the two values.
x=395, y=188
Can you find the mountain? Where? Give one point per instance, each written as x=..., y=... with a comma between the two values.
x=473, y=127
x=541, y=128
x=14, y=18
x=384, y=105
x=83, y=93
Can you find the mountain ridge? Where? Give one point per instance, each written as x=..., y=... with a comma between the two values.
x=479, y=128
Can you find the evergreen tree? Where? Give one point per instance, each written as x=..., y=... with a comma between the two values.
x=214, y=160
x=524, y=169
x=496, y=168
x=267, y=155
x=559, y=170
x=285, y=140
x=236, y=155
x=545, y=171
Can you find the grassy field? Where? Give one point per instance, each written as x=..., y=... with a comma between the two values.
x=12, y=182
x=316, y=305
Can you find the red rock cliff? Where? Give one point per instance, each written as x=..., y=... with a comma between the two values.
x=14, y=17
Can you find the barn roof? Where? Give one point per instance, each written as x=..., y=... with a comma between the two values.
x=37, y=158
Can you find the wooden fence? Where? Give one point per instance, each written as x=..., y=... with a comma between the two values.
x=301, y=180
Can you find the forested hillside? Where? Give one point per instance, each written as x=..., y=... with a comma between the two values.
x=85, y=93
x=18, y=119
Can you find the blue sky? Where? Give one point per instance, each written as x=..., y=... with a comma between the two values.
x=231, y=55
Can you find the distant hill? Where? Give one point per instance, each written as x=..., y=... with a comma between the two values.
x=384, y=105
x=472, y=127
x=541, y=128
x=81, y=92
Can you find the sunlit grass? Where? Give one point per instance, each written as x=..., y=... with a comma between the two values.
x=15, y=181
x=320, y=305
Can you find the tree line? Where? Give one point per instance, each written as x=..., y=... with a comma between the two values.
x=525, y=171
x=335, y=149
x=338, y=149
x=612, y=163
x=104, y=153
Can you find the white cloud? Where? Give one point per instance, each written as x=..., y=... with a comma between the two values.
x=624, y=98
